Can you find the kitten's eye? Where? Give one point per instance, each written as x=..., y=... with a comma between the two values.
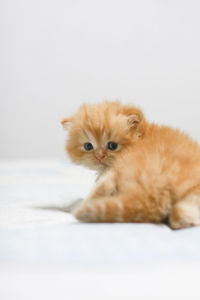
x=112, y=146
x=88, y=146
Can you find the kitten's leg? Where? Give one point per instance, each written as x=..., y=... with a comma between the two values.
x=92, y=209
x=105, y=209
x=186, y=213
x=105, y=186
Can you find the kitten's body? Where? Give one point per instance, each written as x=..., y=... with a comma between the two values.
x=152, y=176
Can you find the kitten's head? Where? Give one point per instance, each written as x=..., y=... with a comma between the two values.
x=98, y=133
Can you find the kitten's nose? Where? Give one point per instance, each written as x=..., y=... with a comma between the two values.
x=99, y=155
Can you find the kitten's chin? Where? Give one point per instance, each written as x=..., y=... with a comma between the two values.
x=97, y=167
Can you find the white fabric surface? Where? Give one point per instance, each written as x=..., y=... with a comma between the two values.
x=46, y=254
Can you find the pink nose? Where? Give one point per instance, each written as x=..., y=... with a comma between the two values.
x=100, y=157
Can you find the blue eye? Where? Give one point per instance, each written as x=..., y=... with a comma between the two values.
x=88, y=146
x=112, y=146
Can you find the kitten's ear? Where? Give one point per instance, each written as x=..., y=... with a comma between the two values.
x=67, y=122
x=133, y=120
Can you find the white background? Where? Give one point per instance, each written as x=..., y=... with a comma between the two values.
x=58, y=54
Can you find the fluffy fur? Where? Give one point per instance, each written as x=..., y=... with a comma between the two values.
x=152, y=176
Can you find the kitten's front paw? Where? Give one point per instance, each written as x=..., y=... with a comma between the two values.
x=184, y=215
x=88, y=212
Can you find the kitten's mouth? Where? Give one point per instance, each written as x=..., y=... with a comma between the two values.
x=100, y=162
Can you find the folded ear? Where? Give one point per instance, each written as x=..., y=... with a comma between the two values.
x=133, y=120
x=66, y=122
x=133, y=115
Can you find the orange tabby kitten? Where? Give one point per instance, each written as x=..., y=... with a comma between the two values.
x=147, y=173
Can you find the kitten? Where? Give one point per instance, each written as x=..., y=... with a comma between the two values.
x=147, y=173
